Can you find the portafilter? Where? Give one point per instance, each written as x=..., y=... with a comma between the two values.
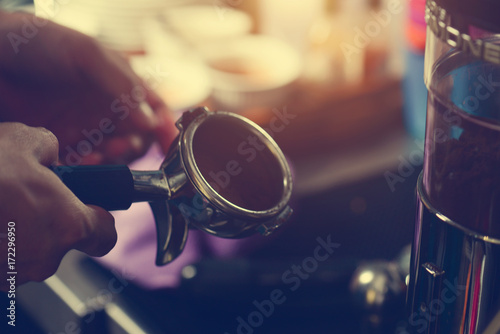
x=223, y=174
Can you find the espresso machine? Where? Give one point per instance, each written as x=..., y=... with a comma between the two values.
x=454, y=284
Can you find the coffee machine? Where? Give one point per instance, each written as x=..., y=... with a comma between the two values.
x=454, y=284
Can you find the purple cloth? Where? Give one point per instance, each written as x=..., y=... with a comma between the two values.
x=135, y=250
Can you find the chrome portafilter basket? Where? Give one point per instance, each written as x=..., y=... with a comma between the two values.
x=223, y=175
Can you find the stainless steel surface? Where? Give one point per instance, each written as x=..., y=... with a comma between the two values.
x=171, y=231
x=150, y=184
x=455, y=275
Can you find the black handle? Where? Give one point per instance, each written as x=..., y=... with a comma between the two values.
x=110, y=187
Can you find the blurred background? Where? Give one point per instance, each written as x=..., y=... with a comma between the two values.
x=339, y=85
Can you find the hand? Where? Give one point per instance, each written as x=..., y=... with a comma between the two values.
x=88, y=96
x=49, y=219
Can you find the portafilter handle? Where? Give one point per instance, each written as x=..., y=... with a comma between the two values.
x=113, y=187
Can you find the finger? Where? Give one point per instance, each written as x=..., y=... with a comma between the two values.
x=117, y=149
x=101, y=233
x=39, y=142
x=94, y=158
x=145, y=115
x=112, y=73
x=165, y=130
x=154, y=100
x=124, y=149
x=47, y=150
x=108, y=69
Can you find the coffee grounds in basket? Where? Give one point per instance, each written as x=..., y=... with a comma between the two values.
x=463, y=172
x=238, y=166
